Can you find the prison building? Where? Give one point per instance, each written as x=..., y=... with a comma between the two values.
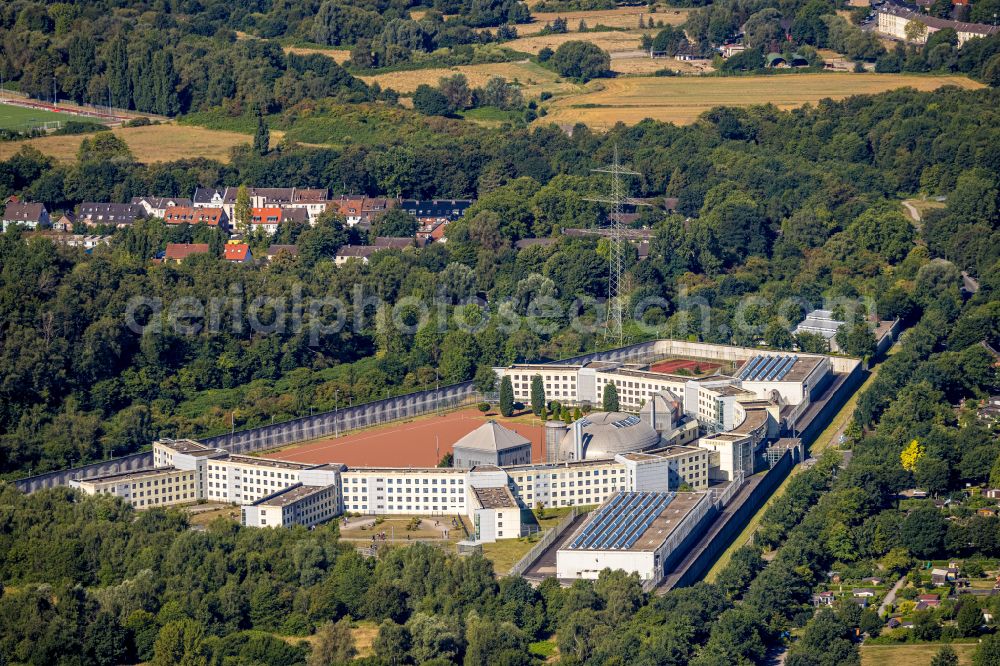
x=491, y=444
x=637, y=532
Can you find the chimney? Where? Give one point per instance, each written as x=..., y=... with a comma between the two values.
x=578, y=439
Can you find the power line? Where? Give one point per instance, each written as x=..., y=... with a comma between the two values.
x=614, y=331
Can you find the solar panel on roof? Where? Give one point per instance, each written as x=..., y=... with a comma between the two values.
x=774, y=368
x=764, y=369
x=762, y=361
x=630, y=536
x=785, y=367
x=619, y=506
x=788, y=367
x=610, y=538
x=750, y=365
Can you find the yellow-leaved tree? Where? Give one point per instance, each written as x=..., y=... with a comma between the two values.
x=911, y=455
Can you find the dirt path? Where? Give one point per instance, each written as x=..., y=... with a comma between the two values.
x=912, y=210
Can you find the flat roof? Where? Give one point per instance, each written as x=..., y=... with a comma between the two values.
x=267, y=462
x=633, y=521
x=495, y=498
x=428, y=470
x=289, y=495
x=136, y=474
x=778, y=368
x=184, y=446
x=755, y=418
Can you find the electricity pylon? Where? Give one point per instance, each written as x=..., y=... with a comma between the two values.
x=614, y=332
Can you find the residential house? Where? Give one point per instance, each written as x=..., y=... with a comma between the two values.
x=993, y=493
x=892, y=20
x=238, y=253
x=359, y=209
x=178, y=252
x=431, y=211
x=275, y=250
x=110, y=214
x=157, y=206
x=863, y=593
x=987, y=512
x=824, y=599
x=313, y=201
x=265, y=219
x=213, y=217
x=27, y=215
x=358, y=252
x=65, y=222
x=396, y=243
x=295, y=216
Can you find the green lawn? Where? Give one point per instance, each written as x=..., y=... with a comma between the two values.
x=507, y=552
x=21, y=119
x=910, y=654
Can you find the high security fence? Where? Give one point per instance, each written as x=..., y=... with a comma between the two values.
x=324, y=424
x=547, y=540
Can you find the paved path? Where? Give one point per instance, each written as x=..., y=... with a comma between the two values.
x=891, y=596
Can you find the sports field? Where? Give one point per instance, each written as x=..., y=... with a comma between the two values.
x=153, y=143
x=682, y=99
x=21, y=119
x=419, y=442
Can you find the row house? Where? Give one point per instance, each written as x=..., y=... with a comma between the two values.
x=94, y=214
x=213, y=217
x=157, y=206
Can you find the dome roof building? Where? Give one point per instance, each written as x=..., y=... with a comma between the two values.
x=603, y=435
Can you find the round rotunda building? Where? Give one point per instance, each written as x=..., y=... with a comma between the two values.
x=601, y=435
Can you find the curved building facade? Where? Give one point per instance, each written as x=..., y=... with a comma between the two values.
x=601, y=435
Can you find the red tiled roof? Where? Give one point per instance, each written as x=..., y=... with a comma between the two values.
x=266, y=215
x=181, y=251
x=213, y=217
x=237, y=251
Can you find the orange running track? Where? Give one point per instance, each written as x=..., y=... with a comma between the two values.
x=416, y=443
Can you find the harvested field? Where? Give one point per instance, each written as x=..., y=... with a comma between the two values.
x=609, y=41
x=339, y=55
x=682, y=99
x=153, y=143
x=623, y=17
x=533, y=79
x=419, y=442
x=639, y=63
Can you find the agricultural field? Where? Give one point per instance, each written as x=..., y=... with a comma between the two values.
x=339, y=55
x=153, y=143
x=533, y=78
x=682, y=99
x=22, y=119
x=622, y=17
x=912, y=654
x=617, y=40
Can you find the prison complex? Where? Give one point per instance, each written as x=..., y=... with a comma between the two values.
x=655, y=468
